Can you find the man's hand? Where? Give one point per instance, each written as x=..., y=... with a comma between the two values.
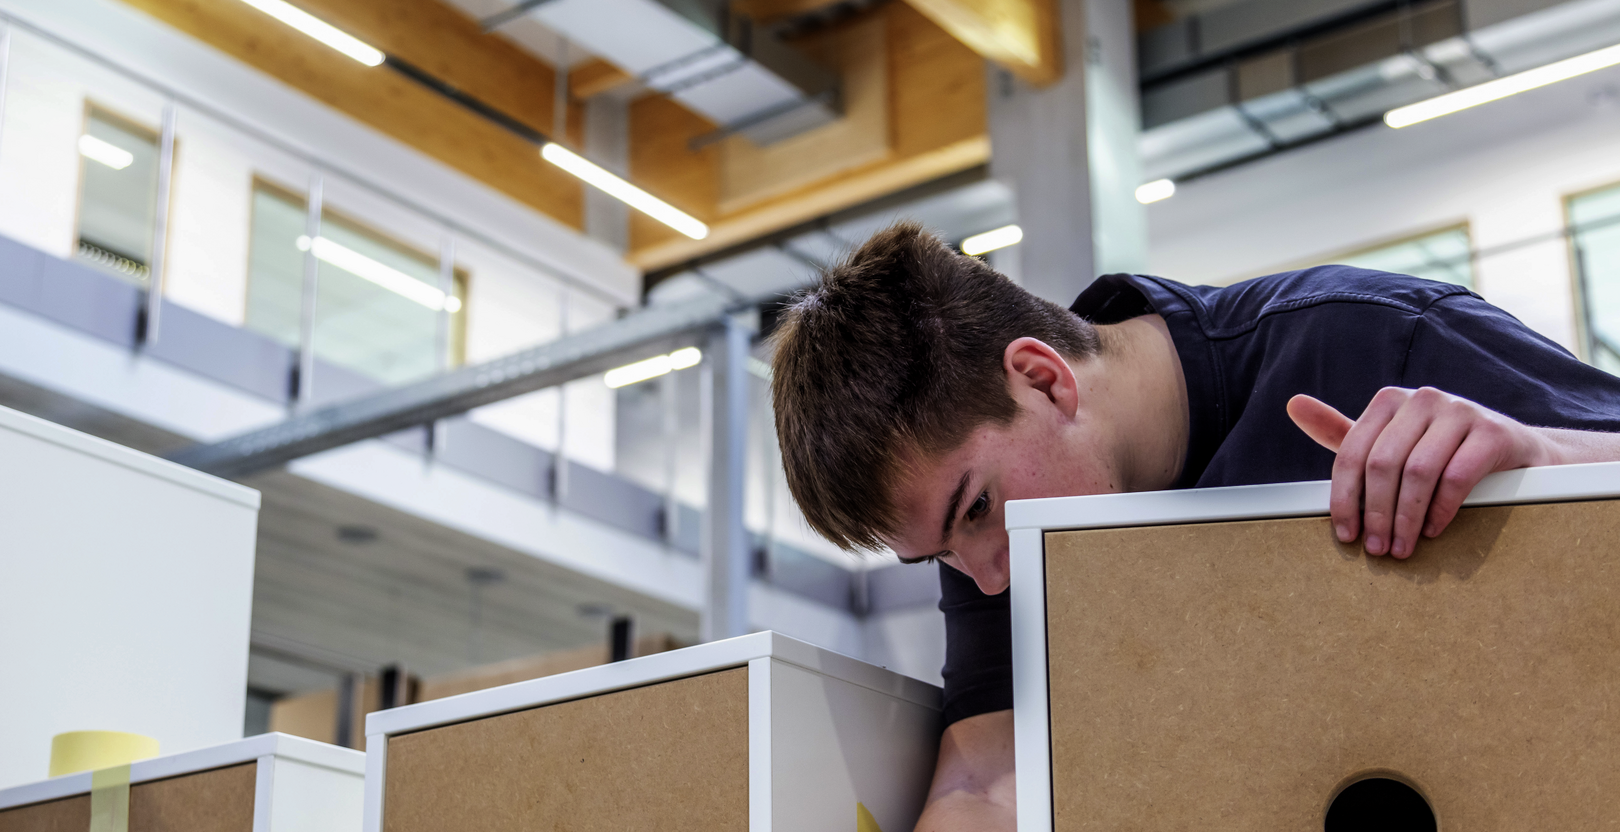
x=1405, y=466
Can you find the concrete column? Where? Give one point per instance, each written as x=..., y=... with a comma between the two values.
x=726, y=558
x=607, y=143
x=1068, y=151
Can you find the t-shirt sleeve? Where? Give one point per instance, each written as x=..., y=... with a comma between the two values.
x=1469, y=348
x=978, y=647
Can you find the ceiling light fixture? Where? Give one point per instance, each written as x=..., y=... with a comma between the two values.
x=387, y=277
x=653, y=367
x=1158, y=189
x=320, y=30
x=1007, y=235
x=1501, y=88
x=105, y=152
x=623, y=191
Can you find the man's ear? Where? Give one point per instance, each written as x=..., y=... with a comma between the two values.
x=1031, y=364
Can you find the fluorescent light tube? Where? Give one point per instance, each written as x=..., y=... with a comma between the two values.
x=989, y=241
x=105, y=152
x=652, y=367
x=320, y=30
x=387, y=277
x=1154, y=191
x=625, y=192
x=1500, y=88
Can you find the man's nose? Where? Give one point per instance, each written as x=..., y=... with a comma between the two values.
x=990, y=573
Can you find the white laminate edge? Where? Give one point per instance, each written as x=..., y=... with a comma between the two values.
x=249, y=750
x=1561, y=483
x=660, y=667
x=1032, y=749
x=263, y=783
x=376, y=783
x=760, y=763
x=127, y=457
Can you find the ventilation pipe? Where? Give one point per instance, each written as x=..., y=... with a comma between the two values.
x=716, y=63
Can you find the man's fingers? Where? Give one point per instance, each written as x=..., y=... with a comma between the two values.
x=1320, y=421
x=1478, y=455
x=1386, y=463
x=1422, y=474
x=1350, y=465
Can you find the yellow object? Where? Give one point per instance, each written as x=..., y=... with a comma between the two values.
x=864, y=822
x=109, y=797
x=77, y=751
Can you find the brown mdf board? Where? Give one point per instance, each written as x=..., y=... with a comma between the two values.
x=760, y=732
x=1238, y=674
x=266, y=783
x=668, y=756
x=218, y=800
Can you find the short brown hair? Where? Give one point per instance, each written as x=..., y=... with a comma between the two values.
x=897, y=350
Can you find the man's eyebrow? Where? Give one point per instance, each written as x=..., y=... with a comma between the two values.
x=950, y=510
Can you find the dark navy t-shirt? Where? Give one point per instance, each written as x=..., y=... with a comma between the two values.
x=1334, y=332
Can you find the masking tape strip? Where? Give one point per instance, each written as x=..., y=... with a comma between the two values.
x=109, y=799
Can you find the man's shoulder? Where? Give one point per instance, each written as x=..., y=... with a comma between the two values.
x=1227, y=311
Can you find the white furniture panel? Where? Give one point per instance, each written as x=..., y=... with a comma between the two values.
x=301, y=785
x=125, y=595
x=1028, y=521
x=825, y=731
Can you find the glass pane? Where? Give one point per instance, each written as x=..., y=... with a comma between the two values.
x=377, y=302
x=1596, y=218
x=118, y=195
x=1441, y=256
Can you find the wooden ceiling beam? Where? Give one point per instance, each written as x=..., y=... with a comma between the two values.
x=1021, y=35
x=935, y=125
x=432, y=36
x=594, y=77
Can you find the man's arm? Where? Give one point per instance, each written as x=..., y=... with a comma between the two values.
x=1404, y=468
x=973, y=785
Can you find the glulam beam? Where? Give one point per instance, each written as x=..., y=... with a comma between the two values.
x=431, y=35
x=1020, y=35
x=935, y=126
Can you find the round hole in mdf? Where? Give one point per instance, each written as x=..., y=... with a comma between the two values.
x=1379, y=803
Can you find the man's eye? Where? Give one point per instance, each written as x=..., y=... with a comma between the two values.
x=980, y=507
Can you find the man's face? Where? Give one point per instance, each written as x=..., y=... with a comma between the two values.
x=952, y=507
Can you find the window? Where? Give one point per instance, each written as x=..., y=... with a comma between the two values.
x=1440, y=255
x=378, y=304
x=118, y=186
x=1594, y=218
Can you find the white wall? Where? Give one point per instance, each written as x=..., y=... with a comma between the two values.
x=1504, y=168
x=511, y=304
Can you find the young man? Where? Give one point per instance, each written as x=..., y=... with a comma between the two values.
x=916, y=391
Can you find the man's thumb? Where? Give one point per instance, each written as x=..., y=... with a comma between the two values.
x=1320, y=421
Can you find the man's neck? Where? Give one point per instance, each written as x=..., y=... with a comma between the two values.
x=1147, y=403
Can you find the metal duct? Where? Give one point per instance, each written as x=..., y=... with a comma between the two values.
x=713, y=62
x=1277, y=88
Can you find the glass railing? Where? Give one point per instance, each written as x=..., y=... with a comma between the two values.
x=366, y=286
x=103, y=165
x=1595, y=242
